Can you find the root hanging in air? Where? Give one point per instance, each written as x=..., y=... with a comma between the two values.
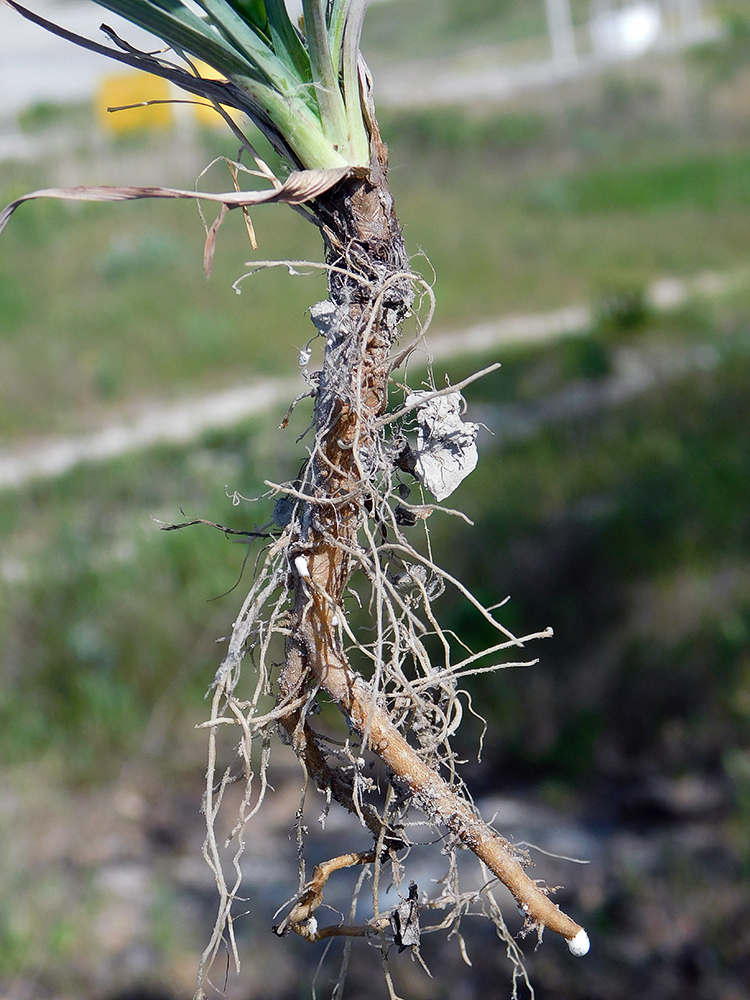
x=344, y=607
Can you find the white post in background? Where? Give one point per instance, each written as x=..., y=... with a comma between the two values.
x=599, y=7
x=691, y=17
x=562, y=36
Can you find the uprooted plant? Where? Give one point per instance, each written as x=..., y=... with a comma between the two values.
x=340, y=530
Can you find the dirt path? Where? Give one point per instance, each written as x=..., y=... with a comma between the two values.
x=184, y=421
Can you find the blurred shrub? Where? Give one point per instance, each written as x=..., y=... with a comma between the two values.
x=599, y=528
x=13, y=304
x=623, y=100
x=721, y=60
x=129, y=255
x=707, y=182
x=519, y=19
x=585, y=358
x=453, y=131
x=110, y=624
x=621, y=310
x=737, y=766
x=43, y=115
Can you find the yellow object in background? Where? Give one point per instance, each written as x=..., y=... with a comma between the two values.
x=122, y=89
x=118, y=90
x=205, y=113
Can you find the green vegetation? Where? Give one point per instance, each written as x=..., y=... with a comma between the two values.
x=42, y=115
x=638, y=517
x=300, y=87
x=708, y=182
x=82, y=328
x=434, y=28
x=439, y=132
x=102, y=307
x=727, y=56
x=96, y=638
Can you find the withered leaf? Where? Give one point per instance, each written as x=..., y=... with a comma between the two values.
x=299, y=187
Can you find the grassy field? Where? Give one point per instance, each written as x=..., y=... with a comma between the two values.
x=105, y=306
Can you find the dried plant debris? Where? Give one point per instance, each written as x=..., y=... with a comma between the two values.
x=405, y=920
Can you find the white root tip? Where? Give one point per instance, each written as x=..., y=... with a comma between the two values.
x=300, y=564
x=580, y=944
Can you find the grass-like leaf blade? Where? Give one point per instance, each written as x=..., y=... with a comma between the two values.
x=184, y=30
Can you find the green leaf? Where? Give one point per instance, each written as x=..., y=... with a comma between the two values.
x=337, y=12
x=299, y=129
x=287, y=42
x=181, y=28
x=253, y=12
x=325, y=75
x=254, y=46
x=352, y=34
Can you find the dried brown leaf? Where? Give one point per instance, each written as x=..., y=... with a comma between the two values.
x=208, y=250
x=301, y=186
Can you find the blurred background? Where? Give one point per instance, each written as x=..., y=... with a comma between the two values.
x=575, y=175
